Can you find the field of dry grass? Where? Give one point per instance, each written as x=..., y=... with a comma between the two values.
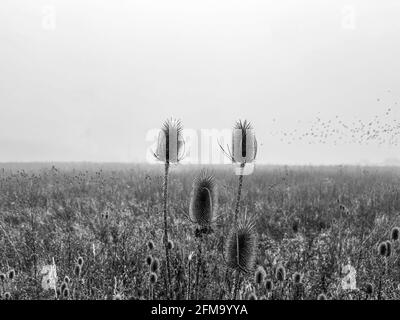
x=318, y=233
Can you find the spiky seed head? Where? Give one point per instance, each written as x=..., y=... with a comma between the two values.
x=245, y=233
x=170, y=144
x=64, y=285
x=149, y=260
x=66, y=292
x=11, y=274
x=78, y=270
x=280, y=273
x=67, y=279
x=244, y=143
x=203, y=200
x=297, y=277
x=252, y=296
x=369, y=289
x=388, y=248
x=259, y=275
x=155, y=265
x=80, y=261
x=382, y=249
x=2, y=277
x=150, y=245
x=395, y=234
x=322, y=296
x=153, y=278
x=7, y=295
x=269, y=285
x=170, y=244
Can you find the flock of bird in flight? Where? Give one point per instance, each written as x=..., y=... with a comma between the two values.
x=382, y=129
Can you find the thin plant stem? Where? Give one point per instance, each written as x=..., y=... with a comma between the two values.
x=165, y=187
x=198, y=267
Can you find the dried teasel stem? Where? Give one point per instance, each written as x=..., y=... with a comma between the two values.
x=165, y=200
x=199, y=245
x=237, y=206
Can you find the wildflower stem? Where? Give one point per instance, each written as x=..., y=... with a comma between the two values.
x=198, y=266
x=165, y=187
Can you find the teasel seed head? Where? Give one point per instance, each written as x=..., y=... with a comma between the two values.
x=269, y=285
x=64, y=285
x=78, y=270
x=369, y=289
x=67, y=279
x=155, y=265
x=203, y=200
x=153, y=278
x=252, y=296
x=244, y=143
x=259, y=275
x=395, y=234
x=280, y=273
x=150, y=245
x=149, y=260
x=11, y=274
x=117, y=296
x=382, y=249
x=322, y=296
x=170, y=144
x=297, y=277
x=66, y=292
x=80, y=261
x=246, y=234
x=388, y=248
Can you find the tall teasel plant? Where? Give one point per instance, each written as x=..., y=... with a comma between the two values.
x=170, y=150
x=243, y=151
x=203, y=213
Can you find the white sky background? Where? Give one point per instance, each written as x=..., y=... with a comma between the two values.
x=91, y=87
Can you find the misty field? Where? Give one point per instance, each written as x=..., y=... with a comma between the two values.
x=96, y=232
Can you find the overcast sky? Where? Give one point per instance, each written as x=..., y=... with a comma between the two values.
x=85, y=80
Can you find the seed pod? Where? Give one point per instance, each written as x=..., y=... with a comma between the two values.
x=322, y=296
x=252, y=296
x=388, y=248
x=155, y=265
x=11, y=274
x=244, y=143
x=150, y=245
x=269, y=285
x=382, y=249
x=170, y=142
x=395, y=234
x=78, y=270
x=259, y=275
x=170, y=245
x=247, y=239
x=203, y=200
x=297, y=277
x=153, y=278
x=149, y=260
x=369, y=289
x=80, y=261
x=280, y=273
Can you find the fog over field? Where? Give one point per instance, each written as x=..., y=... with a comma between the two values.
x=86, y=80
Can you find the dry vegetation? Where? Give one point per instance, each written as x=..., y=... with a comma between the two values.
x=310, y=223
